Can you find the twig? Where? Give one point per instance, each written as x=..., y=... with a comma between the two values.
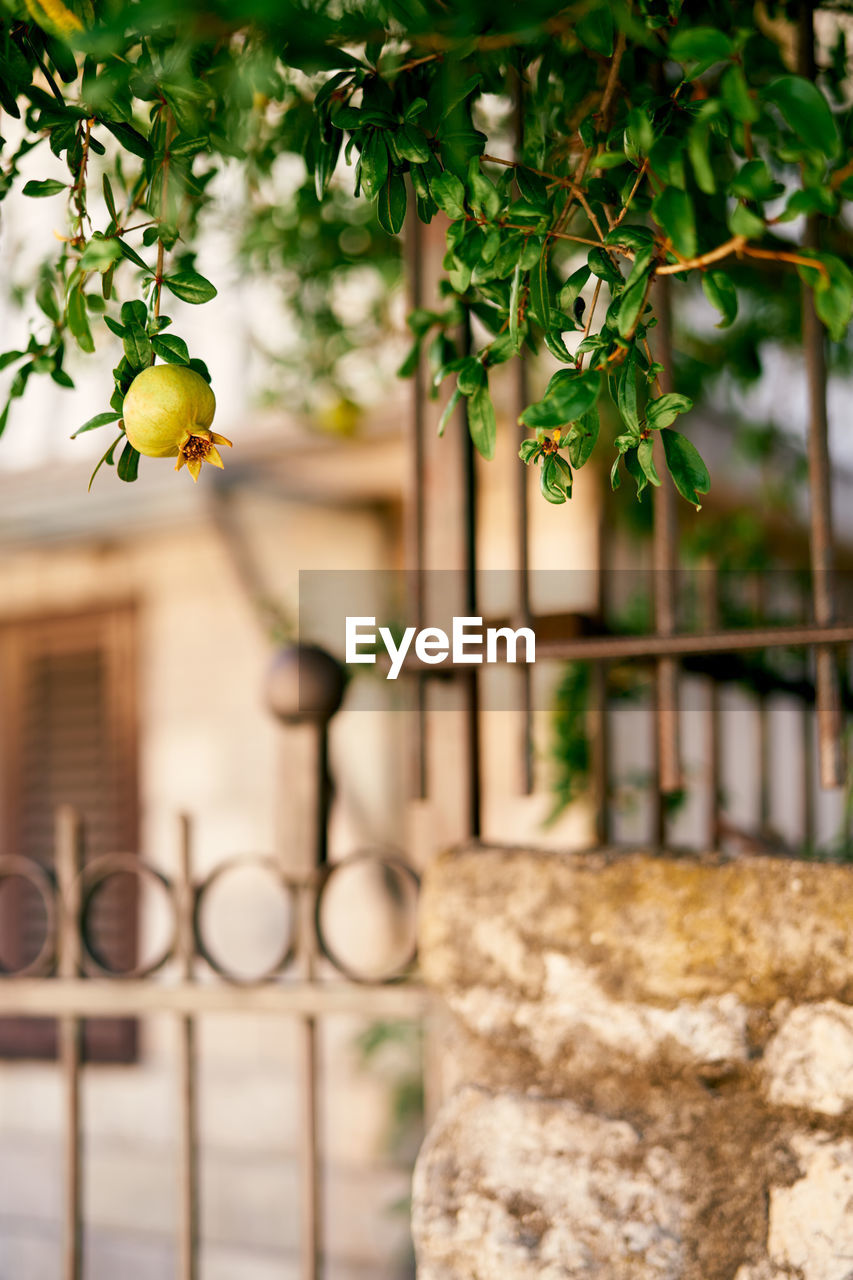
x=632, y=193
x=588, y=325
x=161, y=249
x=735, y=245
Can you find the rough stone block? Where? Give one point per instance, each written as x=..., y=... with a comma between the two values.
x=653, y=1060
x=533, y=1187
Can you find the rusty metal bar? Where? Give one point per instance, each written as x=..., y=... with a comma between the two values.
x=415, y=509
x=521, y=400
x=311, y=1253
x=601, y=756
x=624, y=647
x=829, y=718
x=188, y=1201
x=523, y=558
x=665, y=561
x=763, y=713
x=470, y=684
x=137, y=997
x=68, y=837
x=710, y=609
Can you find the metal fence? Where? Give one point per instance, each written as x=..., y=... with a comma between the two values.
x=70, y=980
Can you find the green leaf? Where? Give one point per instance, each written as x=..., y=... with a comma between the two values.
x=743, y=222
x=664, y=410
x=571, y=290
x=137, y=348
x=100, y=253
x=109, y=199
x=699, y=151
x=582, y=439
x=131, y=139
x=810, y=200
x=602, y=266
x=736, y=97
x=9, y=357
x=106, y=458
x=754, y=182
x=553, y=483
x=171, y=348
x=529, y=450
x=555, y=344
x=189, y=286
x=99, y=420
x=78, y=320
x=412, y=144
x=448, y=411
x=540, y=300
x=533, y=189
x=569, y=396
x=46, y=297
x=128, y=463
x=449, y=194
x=721, y=294
x=514, y=293
x=132, y=255
x=806, y=111
x=471, y=377
x=484, y=197
x=702, y=46
x=673, y=210
x=633, y=298
x=374, y=163
x=685, y=466
x=47, y=187
x=667, y=160
x=833, y=292
x=482, y=423
x=626, y=391
x=391, y=206
x=595, y=30
x=646, y=459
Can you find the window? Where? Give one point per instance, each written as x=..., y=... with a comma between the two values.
x=68, y=736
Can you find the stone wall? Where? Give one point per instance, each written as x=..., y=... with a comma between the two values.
x=652, y=1069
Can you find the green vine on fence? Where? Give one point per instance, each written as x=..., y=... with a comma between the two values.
x=579, y=155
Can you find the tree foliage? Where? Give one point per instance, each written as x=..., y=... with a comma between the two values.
x=585, y=158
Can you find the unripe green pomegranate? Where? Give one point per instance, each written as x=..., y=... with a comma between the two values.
x=167, y=413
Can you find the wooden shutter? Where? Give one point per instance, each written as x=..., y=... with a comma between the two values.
x=67, y=699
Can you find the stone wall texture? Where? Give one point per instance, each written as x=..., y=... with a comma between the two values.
x=651, y=1061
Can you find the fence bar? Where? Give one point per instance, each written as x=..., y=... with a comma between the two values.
x=588, y=649
x=188, y=1202
x=68, y=863
x=763, y=713
x=523, y=560
x=601, y=756
x=415, y=507
x=137, y=997
x=522, y=524
x=311, y=1253
x=829, y=721
x=710, y=609
x=665, y=560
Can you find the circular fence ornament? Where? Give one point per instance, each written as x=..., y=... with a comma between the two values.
x=93, y=879
x=367, y=903
x=205, y=903
x=28, y=871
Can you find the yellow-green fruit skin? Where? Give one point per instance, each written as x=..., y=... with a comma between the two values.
x=163, y=405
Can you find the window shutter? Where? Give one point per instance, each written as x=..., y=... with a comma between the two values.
x=69, y=737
